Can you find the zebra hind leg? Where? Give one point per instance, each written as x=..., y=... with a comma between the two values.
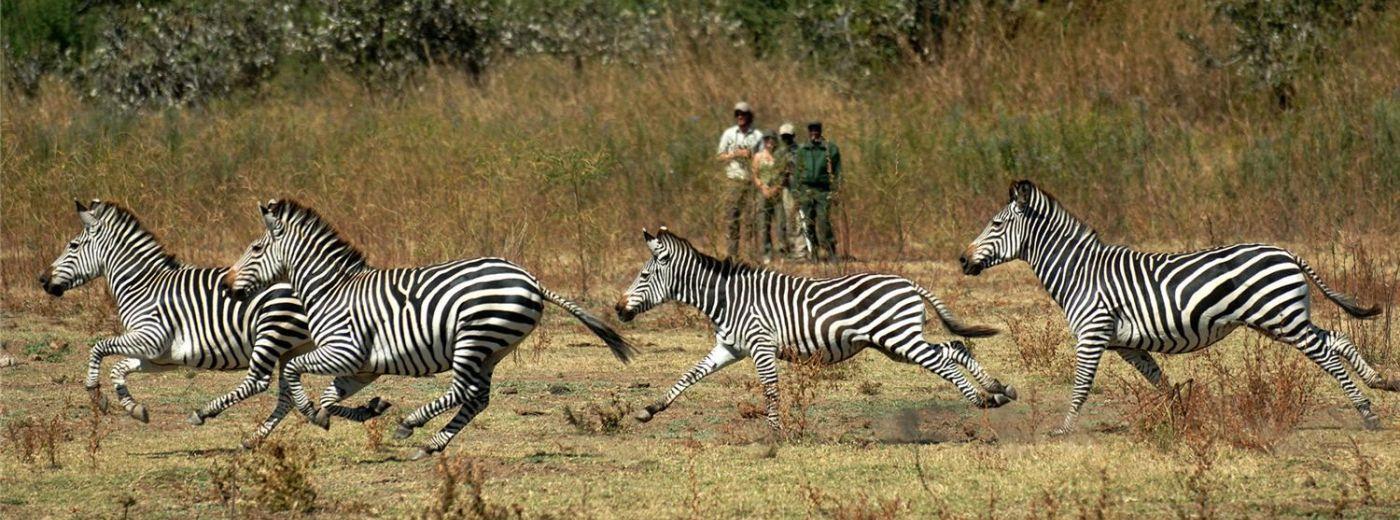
x=1343, y=345
x=1315, y=342
x=963, y=357
x=426, y=413
x=119, y=371
x=471, y=381
x=939, y=360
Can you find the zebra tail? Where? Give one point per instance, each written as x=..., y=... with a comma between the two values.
x=1345, y=302
x=619, y=346
x=951, y=322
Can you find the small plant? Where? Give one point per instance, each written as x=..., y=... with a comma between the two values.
x=870, y=387
x=47, y=350
x=458, y=494
x=607, y=419
x=35, y=440
x=97, y=431
x=799, y=385
x=275, y=478
x=1044, y=347
x=374, y=435
x=861, y=507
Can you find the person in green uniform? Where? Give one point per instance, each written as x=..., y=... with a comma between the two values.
x=816, y=181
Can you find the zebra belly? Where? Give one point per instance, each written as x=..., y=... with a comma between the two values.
x=216, y=353
x=1165, y=336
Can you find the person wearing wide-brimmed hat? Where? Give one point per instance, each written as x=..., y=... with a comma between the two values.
x=737, y=146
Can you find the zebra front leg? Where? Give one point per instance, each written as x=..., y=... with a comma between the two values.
x=765, y=362
x=342, y=388
x=285, y=402
x=719, y=357
x=1088, y=356
x=119, y=371
x=426, y=413
x=333, y=359
x=260, y=367
x=1145, y=365
x=140, y=343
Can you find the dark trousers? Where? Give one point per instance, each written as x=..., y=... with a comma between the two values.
x=814, y=205
x=772, y=220
x=737, y=209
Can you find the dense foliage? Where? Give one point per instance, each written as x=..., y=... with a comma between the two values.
x=179, y=51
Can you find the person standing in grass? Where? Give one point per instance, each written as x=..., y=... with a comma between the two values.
x=769, y=179
x=818, y=177
x=737, y=146
x=786, y=156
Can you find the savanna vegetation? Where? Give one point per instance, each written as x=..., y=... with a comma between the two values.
x=550, y=134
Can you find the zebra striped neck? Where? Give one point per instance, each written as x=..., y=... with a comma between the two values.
x=708, y=282
x=318, y=259
x=133, y=254
x=1057, y=247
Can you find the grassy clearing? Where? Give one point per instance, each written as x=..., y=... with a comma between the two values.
x=911, y=450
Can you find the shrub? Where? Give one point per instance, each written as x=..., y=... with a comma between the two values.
x=1274, y=40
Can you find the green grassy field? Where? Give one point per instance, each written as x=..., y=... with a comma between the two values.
x=880, y=440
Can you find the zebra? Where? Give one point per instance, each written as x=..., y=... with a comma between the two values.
x=767, y=315
x=464, y=316
x=1136, y=303
x=177, y=315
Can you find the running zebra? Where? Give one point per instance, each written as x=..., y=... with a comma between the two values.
x=1134, y=303
x=176, y=315
x=768, y=315
x=464, y=316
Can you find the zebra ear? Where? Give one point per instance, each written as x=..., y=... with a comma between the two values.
x=1021, y=193
x=89, y=219
x=80, y=206
x=646, y=235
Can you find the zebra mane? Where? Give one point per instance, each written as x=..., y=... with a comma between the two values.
x=1053, y=205
x=122, y=215
x=311, y=220
x=727, y=265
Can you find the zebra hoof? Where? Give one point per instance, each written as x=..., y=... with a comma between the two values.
x=139, y=413
x=1389, y=385
x=249, y=444
x=377, y=407
x=997, y=400
x=1372, y=423
x=195, y=419
x=322, y=419
x=403, y=432
x=420, y=454
x=1009, y=392
x=642, y=415
x=101, y=401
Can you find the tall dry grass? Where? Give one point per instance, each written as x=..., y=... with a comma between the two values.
x=557, y=166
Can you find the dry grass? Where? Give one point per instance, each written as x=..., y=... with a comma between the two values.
x=1144, y=144
x=1105, y=110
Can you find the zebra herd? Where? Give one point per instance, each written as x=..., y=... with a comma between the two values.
x=302, y=299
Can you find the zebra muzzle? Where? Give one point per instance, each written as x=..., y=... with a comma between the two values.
x=970, y=268
x=49, y=286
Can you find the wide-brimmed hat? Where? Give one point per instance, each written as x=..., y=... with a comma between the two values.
x=743, y=107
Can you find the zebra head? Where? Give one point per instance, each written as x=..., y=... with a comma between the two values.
x=1004, y=238
x=82, y=260
x=655, y=283
x=263, y=261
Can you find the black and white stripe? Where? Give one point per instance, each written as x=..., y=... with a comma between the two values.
x=1134, y=303
x=768, y=315
x=464, y=316
x=175, y=315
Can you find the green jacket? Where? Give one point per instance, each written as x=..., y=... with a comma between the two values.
x=818, y=165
